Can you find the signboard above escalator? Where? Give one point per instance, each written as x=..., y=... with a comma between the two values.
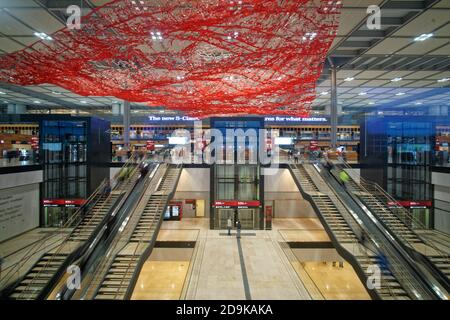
x=411, y=204
x=225, y=204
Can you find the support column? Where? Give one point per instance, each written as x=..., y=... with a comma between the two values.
x=117, y=109
x=126, y=125
x=334, y=109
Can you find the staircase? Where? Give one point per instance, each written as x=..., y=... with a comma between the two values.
x=119, y=277
x=38, y=277
x=330, y=210
x=116, y=282
x=93, y=218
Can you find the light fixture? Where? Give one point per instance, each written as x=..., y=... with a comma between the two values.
x=43, y=36
x=418, y=103
x=362, y=93
x=400, y=94
x=349, y=79
x=37, y=101
x=1, y=92
x=444, y=80
x=423, y=37
x=157, y=35
x=56, y=92
x=397, y=79
x=83, y=101
x=324, y=93
x=371, y=103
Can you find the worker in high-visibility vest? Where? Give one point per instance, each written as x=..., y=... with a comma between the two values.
x=344, y=177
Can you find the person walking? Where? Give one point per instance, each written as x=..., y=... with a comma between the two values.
x=238, y=227
x=229, y=225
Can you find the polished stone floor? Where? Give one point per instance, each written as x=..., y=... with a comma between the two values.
x=254, y=267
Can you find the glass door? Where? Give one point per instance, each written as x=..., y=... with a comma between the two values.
x=247, y=216
x=224, y=214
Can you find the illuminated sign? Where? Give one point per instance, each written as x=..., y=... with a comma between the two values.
x=178, y=140
x=295, y=119
x=235, y=203
x=172, y=118
x=283, y=141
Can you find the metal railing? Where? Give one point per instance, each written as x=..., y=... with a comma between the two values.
x=62, y=235
x=100, y=270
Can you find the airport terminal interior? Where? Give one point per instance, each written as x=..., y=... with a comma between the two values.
x=224, y=150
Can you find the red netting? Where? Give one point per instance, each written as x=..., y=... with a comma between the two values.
x=203, y=57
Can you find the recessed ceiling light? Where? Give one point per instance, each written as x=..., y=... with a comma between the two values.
x=423, y=37
x=349, y=79
x=371, y=103
x=444, y=80
x=43, y=36
x=56, y=92
x=362, y=93
x=418, y=103
x=324, y=93
x=83, y=101
x=36, y=101
x=1, y=92
x=400, y=94
x=396, y=79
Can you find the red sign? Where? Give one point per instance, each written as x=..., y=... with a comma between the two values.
x=63, y=202
x=235, y=203
x=411, y=203
x=268, y=213
x=150, y=146
x=313, y=146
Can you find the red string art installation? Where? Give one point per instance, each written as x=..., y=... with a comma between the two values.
x=202, y=57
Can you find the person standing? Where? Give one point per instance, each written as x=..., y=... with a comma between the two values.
x=238, y=227
x=229, y=225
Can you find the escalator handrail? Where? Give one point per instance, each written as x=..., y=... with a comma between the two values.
x=103, y=205
x=102, y=268
x=149, y=248
x=97, y=194
x=364, y=253
x=86, y=255
x=409, y=248
x=440, y=253
x=38, y=246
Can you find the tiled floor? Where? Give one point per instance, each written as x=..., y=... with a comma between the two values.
x=263, y=271
x=336, y=283
x=161, y=280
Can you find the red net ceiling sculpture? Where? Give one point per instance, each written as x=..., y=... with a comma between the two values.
x=203, y=57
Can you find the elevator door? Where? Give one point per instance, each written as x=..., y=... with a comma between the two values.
x=224, y=214
x=247, y=216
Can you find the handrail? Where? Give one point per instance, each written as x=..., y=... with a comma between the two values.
x=436, y=251
x=38, y=245
x=117, y=245
x=363, y=252
x=383, y=193
x=103, y=205
x=156, y=220
x=62, y=231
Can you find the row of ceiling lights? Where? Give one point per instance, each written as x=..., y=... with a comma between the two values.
x=348, y=79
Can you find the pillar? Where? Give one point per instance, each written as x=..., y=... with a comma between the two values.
x=117, y=109
x=126, y=125
x=334, y=108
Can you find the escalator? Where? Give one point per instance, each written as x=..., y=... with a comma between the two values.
x=344, y=232
x=37, y=282
x=113, y=275
x=119, y=278
x=397, y=220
